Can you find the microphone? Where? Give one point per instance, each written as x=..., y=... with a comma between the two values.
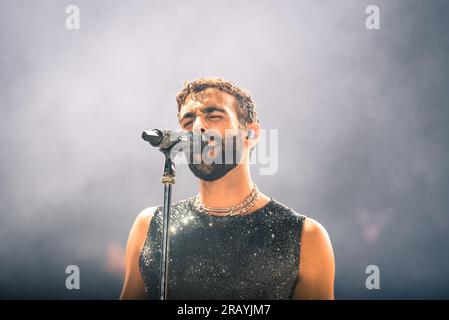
x=166, y=138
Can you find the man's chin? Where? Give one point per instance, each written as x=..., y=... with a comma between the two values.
x=210, y=173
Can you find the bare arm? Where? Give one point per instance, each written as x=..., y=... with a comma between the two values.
x=133, y=287
x=317, y=264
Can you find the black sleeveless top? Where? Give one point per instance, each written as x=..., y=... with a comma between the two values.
x=253, y=256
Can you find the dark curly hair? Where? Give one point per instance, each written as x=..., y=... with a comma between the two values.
x=247, y=109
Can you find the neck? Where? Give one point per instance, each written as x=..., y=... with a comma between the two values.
x=229, y=190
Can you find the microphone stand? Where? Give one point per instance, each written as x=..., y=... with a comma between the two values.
x=161, y=138
x=168, y=178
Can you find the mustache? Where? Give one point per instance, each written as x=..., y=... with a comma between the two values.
x=204, y=140
x=223, y=149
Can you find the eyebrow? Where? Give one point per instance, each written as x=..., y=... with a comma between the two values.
x=211, y=109
x=187, y=115
x=208, y=109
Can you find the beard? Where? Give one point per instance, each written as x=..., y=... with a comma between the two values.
x=216, y=166
x=211, y=172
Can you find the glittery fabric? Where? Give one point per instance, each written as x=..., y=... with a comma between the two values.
x=254, y=256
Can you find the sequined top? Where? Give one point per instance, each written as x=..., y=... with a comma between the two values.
x=253, y=256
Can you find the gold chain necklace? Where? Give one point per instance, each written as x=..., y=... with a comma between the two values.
x=230, y=211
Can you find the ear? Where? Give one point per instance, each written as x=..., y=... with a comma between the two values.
x=252, y=134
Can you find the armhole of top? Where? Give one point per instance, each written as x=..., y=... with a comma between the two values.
x=154, y=210
x=302, y=219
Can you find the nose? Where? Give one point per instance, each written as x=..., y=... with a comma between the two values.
x=198, y=125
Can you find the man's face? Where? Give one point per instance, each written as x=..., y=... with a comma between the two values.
x=213, y=113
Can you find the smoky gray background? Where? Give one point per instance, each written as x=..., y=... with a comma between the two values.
x=362, y=118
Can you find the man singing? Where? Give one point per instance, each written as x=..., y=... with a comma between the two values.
x=230, y=241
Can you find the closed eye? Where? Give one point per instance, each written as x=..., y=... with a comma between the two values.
x=187, y=124
x=215, y=117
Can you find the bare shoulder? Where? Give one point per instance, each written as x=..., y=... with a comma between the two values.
x=315, y=242
x=142, y=223
x=314, y=231
x=133, y=287
x=317, y=263
x=139, y=230
x=144, y=217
